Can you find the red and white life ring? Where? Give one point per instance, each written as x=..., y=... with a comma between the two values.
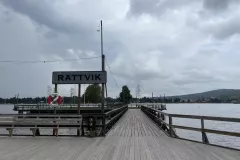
x=53, y=99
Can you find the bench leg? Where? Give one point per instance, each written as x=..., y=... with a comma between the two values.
x=56, y=132
x=78, y=132
x=10, y=132
x=33, y=131
x=82, y=129
x=37, y=132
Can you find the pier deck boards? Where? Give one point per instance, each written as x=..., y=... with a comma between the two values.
x=134, y=137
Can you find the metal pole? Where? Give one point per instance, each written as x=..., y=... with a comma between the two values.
x=103, y=65
x=103, y=69
x=106, y=92
x=101, y=39
x=103, y=95
x=79, y=97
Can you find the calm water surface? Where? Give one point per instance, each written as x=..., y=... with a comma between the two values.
x=219, y=110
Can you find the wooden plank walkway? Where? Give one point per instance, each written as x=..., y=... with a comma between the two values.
x=134, y=137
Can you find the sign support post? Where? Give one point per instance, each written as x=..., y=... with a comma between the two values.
x=103, y=69
x=55, y=112
x=103, y=66
x=83, y=77
x=79, y=97
x=79, y=100
x=103, y=94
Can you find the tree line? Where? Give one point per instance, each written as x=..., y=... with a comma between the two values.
x=92, y=94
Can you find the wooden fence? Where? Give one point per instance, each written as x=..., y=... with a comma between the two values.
x=157, y=116
x=83, y=122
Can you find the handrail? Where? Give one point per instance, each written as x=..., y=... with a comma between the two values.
x=45, y=105
x=152, y=112
x=226, y=119
x=39, y=115
x=116, y=116
x=85, y=120
x=114, y=110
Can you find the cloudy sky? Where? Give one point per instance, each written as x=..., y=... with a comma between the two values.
x=166, y=46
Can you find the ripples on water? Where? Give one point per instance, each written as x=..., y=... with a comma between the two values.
x=218, y=110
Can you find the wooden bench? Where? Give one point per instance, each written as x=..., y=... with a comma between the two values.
x=34, y=123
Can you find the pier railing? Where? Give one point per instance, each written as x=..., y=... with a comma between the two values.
x=47, y=106
x=44, y=106
x=114, y=115
x=36, y=122
x=107, y=120
x=91, y=124
x=169, y=128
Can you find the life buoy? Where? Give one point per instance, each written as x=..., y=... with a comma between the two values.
x=57, y=99
x=49, y=100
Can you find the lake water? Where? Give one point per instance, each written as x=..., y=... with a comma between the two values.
x=219, y=110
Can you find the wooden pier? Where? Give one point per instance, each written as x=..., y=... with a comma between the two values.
x=134, y=137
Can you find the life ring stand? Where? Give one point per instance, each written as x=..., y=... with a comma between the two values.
x=54, y=98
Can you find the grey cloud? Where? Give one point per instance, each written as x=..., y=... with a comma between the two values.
x=228, y=29
x=58, y=29
x=223, y=29
x=141, y=6
x=158, y=7
x=163, y=55
x=196, y=77
x=217, y=4
x=50, y=24
x=51, y=34
x=155, y=7
x=44, y=13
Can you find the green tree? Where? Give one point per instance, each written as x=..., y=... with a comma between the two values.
x=125, y=95
x=177, y=100
x=93, y=94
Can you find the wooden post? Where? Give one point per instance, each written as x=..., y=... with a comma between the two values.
x=103, y=123
x=82, y=128
x=79, y=97
x=170, y=126
x=79, y=101
x=55, y=112
x=204, y=135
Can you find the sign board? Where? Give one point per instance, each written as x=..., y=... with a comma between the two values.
x=79, y=77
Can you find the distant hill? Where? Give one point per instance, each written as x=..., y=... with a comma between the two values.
x=220, y=93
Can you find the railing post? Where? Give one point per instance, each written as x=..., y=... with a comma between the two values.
x=170, y=126
x=82, y=128
x=204, y=135
x=103, y=124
